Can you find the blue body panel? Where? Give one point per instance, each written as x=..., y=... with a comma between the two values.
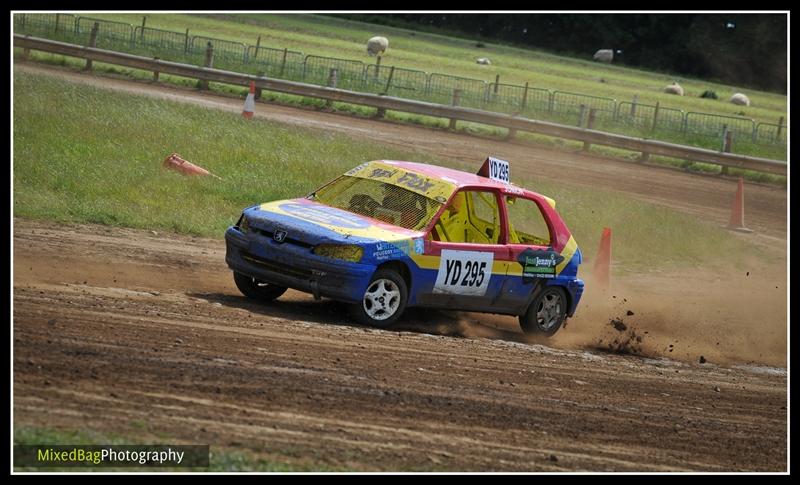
x=293, y=264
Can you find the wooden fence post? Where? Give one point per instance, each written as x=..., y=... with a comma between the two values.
x=155, y=73
x=58, y=21
x=377, y=68
x=283, y=62
x=332, y=80
x=208, y=63
x=581, y=114
x=780, y=127
x=655, y=117
x=258, y=90
x=589, y=126
x=144, y=23
x=258, y=46
x=633, y=105
x=389, y=81
x=727, y=142
x=92, y=43
x=186, y=42
x=456, y=100
x=524, y=97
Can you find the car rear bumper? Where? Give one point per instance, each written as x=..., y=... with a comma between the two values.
x=575, y=289
x=295, y=267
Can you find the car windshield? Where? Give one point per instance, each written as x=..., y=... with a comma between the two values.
x=380, y=200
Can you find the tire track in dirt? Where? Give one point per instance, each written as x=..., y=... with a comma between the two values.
x=145, y=335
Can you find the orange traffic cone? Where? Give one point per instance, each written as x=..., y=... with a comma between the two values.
x=602, y=265
x=250, y=102
x=737, y=211
x=175, y=162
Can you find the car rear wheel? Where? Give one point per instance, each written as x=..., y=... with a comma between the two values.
x=384, y=301
x=546, y=313
x=258, y=290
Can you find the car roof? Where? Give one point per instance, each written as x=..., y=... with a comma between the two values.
x=460, y=178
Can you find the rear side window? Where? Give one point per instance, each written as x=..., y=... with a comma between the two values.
x=526, y=223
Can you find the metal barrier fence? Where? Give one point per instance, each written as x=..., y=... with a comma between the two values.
x=714, y=125
x=317, y=70
x=570, y=107
x=650, y=117
x=440, y=89
x=227, y=54
x=544, y=104
x=770, y=133
x=510, y=98
x=395, y=81
x=278, y=63
x=110, y=35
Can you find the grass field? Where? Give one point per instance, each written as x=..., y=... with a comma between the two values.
x=335, y=37
x=83, y=154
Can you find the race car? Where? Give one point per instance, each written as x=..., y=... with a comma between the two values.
x=388, y=235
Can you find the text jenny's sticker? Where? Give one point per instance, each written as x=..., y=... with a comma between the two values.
x=464, y=272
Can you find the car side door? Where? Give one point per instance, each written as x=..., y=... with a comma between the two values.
x=533, y=259
x=466, y=260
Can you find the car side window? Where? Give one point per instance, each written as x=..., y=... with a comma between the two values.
x=526, y=223
x=471, y=217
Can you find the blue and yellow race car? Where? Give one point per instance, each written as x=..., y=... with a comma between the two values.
x=388, y=235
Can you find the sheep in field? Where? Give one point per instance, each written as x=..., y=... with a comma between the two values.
x=604, y=55
x=740, y=99
x=674, y=88
x=484, y=60
x=377, y=46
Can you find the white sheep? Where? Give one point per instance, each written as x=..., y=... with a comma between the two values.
x=604, y=55
x=740, y=99
x=484, y=60
x=674, y=88
x=377, y=46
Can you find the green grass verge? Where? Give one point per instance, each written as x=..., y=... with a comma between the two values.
x=774, y=152
x=83, y=154
x=344, y=38
x=221, y=459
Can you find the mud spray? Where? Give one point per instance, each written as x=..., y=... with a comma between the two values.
x=738, y=316
x=735, y=316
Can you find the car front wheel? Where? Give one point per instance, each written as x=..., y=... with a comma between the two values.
x=384, y=301
x=258, y=290
x=546, y=313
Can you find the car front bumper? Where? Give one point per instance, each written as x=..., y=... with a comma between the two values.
x=293, y=266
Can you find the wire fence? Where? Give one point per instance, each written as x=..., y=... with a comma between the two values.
x=558, y=106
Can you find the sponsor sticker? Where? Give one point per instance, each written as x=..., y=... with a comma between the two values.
x=464, y=272
x=396, y=249
x=419, y=245
x=539, y=263
x=429, y=187
x=325, y=215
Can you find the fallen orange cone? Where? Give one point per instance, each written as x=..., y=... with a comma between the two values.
x=250, y=102
x=737, y=211
x=175, y=162
x=602, y=265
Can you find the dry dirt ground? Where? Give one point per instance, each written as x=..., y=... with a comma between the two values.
x=144, y=335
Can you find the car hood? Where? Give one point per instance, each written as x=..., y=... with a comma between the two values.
x=314, y=223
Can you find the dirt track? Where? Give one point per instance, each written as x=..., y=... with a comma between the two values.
x=709, y=197
x=144, y=335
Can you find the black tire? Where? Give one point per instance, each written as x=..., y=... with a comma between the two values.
x=547, y=312
x=255, y=289
x=384, y=300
